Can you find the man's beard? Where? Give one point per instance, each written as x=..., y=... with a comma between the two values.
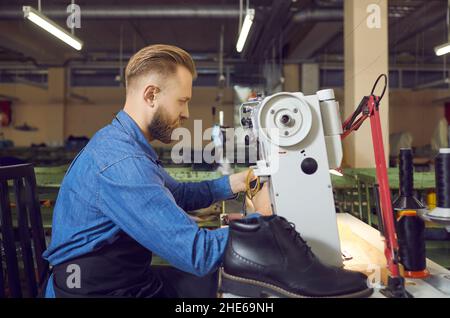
x=161, y=128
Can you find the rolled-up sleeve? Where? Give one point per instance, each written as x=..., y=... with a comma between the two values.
x=132, y=194
x=197, y=195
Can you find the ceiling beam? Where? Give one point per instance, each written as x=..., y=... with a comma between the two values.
x=320, y=34
x=271, y=28
x=27, y=43
x=428, y=15
x=131, y=12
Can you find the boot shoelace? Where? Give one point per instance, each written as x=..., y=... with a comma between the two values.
x=298, y=238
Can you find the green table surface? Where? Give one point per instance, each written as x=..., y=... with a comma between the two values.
x=49, y=180
x=422, y=180
x=51, y=177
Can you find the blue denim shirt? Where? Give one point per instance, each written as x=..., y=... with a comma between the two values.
x=117, y=184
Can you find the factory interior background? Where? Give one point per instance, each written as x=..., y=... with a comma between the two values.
x=54, y=98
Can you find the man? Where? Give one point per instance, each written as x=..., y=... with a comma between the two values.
x=117, y=205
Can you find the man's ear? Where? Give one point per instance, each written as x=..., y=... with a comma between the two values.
x=150, y=92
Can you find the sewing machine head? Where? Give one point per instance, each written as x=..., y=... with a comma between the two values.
x=286, y=119
x=299, y=140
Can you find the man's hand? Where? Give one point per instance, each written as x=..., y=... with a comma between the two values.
x=238, y=180
x=261, y=201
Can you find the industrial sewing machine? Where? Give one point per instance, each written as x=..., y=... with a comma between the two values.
x=299, y=141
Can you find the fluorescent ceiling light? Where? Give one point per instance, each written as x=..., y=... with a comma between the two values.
x=248, y=21
x=51, y=27
x=442, y=49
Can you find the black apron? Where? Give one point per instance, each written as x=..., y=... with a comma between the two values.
x=119, y=269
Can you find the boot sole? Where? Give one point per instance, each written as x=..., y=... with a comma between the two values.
x=252, y=288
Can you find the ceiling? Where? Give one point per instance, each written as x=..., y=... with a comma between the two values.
x=289, y=30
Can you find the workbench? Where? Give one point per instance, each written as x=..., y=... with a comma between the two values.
x=422, y=180
x=354, y=190
x=364, y=245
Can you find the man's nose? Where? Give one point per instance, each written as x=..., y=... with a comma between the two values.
x=185, y=113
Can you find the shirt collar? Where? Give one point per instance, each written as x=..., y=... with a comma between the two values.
x=131, y=128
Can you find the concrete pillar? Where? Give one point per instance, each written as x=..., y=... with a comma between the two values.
x=366, y=57
x=310, y=78
x=57, y=86
x=291, y=73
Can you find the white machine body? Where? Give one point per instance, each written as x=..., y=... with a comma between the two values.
x=299, y=142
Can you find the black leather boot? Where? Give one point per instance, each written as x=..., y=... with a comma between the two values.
x=265, y=256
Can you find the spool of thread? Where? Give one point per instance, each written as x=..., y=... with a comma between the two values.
x=441, y=214
x=410, y=227
x=442, y=170
x=405, y=199
x=411, y=241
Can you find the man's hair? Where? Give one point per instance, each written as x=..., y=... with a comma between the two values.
x=159, y=58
